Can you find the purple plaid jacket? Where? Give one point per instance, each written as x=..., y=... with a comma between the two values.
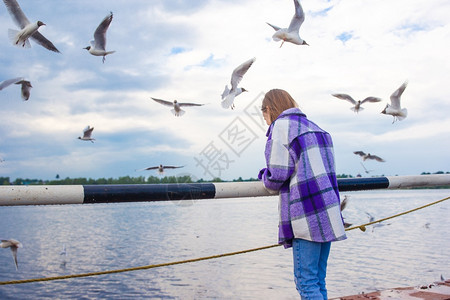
x=300, y=164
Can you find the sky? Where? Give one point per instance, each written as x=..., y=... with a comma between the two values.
x=187, y=50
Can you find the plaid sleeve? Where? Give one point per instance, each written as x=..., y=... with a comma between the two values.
x=280, y=165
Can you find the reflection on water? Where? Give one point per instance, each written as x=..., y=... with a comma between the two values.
x=411, y=250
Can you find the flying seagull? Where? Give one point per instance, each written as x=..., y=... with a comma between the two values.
x=343, y=206
x=25, y=86
x=365, y=156
x=28, y=29
x=228, y=95
x=25, y=89
x=357, y=104
x=177, y=111
x=63, y=254
x=161, y=168
x=372, y=219
x=87, y=132
x=395, y=108
x=98, y=45
x=291, y=34
x=8, y=82
x=13, y=245
x=63, y=251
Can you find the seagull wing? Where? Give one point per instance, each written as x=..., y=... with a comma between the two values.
x=274, y=27
x=25, y=89
x=163, y=102
x=151, y=168
x=239, y=73
x=344, y=203
x=190, y=104
x=8, y=82
x=87, y=132
x=395, y=97
x=377, y=158
x=16, y=13
x=345, y=97
x=298, y=17
x=371, y=218
x=5, y=243
x=14, y=254
x=371, y=99
x=360, y=153
x=172, y=167
x=100, y=32
x=225, y=93
x=41, y=40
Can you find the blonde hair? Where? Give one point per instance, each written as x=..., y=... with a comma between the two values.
x=278, y=101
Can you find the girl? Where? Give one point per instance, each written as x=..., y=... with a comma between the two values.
x=300, y=165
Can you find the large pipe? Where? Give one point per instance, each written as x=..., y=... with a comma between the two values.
x=82, y=194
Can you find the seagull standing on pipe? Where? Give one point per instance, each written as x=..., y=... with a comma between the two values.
x=98, y=45
x=28, y=29
x=395, y=108
x=228, y=95
x=291, y=34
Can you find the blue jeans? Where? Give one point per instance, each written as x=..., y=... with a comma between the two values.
x=310, y=268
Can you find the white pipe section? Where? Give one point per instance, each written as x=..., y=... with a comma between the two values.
x=241, y=189
x=399, y=182
x=41, y=194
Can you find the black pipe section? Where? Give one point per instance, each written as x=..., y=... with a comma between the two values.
x=147, y=192
x=359, y=184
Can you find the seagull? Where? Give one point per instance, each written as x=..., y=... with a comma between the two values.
x=343, y=206
x=26, y=86
x=87, y=134
x=63, y=254
x=28, y=29
x=368, y=156
x=98, y=45
x=14, y=245
x=372, y=219
x=395, y=109
x=8, y=82
x=236, y=77
x=291, y=34
x=63, y=251
x=357, y=104
x=160, y=168
x=177, y=111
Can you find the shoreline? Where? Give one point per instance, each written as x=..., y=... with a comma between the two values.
x=434, y=291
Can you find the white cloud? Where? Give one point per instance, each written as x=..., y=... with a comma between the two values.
x=170, y=51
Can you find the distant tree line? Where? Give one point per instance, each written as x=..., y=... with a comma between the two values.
x=135, y=180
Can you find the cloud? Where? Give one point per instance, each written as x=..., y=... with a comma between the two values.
x=187, y=51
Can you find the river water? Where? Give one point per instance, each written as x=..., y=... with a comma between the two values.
x=406, y=251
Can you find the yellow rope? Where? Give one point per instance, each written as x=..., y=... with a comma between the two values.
x=362, y=227
x=136, y=268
